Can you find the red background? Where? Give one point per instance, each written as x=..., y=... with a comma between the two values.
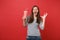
x=11, y=12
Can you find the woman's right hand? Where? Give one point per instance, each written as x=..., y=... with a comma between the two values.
x=25, y=14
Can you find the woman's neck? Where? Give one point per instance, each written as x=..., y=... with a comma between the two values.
x=35, y=17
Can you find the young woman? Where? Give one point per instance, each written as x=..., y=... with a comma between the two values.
x=33, y=22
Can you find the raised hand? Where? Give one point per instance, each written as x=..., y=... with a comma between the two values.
x=25, y=14
x=45, y=15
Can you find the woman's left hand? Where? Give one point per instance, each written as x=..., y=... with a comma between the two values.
x=45, y=15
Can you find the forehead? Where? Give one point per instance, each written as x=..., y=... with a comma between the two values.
x=35, y=8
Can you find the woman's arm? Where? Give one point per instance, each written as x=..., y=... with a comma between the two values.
x=42, y=24
x=24, y=22
x=24, y=18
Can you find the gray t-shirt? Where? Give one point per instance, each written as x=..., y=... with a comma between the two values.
x=32, y=28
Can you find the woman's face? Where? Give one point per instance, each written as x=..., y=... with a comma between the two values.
x=35, y=11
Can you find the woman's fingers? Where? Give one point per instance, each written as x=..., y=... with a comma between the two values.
x=45, y=15
x=25, y=13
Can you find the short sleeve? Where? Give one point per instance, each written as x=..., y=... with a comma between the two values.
x=41, y=25
x=27, y=19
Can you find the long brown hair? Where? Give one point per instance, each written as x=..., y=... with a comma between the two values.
x=32, y=17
